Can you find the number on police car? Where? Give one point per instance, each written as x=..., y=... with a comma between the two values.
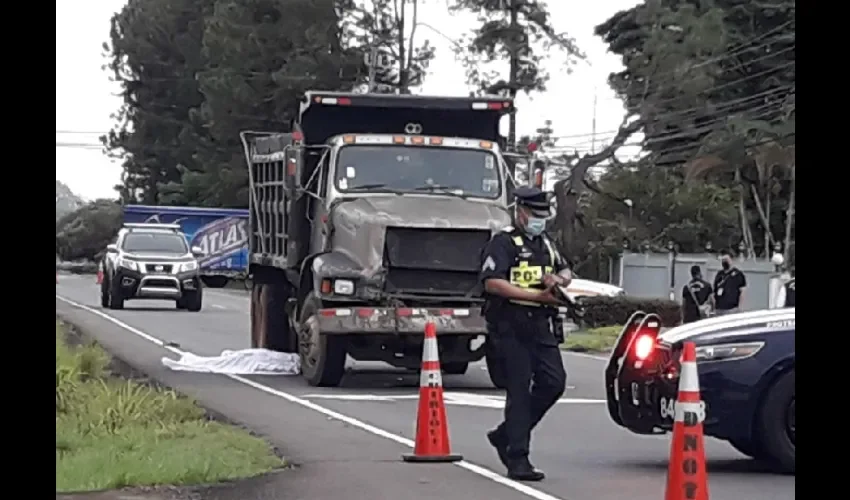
x=667, y=407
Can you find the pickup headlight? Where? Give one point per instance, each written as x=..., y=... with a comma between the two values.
x=128, y=264
x=343, y=287
x=187, y=266
x=728, y=352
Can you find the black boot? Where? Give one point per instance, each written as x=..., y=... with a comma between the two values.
x=521, y=470
x=499, y=442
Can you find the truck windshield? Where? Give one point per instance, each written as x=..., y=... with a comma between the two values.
x=155, y=243
x=470, y=172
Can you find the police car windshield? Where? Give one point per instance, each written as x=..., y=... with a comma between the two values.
x=168, y=243
x=468, y=172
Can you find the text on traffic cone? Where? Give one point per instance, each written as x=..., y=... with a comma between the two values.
x=686, y=475
x=432, y=431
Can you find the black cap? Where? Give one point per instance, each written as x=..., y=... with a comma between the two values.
x=535, y=199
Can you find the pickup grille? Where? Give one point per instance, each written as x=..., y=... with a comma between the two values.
x=152, y=268
x=433, y=261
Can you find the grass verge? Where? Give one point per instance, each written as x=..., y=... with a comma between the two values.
x=592, y=340
x=113, y=432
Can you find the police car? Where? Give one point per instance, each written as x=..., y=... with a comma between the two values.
x=151, y=261
x=746, y=364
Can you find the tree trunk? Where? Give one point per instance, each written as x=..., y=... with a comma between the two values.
x=789, y=215
x=569, y=190
x=512, y=77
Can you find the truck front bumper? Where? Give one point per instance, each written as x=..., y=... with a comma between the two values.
x=400, y=320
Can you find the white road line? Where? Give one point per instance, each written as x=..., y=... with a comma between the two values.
x=475, y=469
x=217, y=306
x=585, y=355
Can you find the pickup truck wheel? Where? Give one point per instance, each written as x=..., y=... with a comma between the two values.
x=455, y=368
x=777, y=424
x=116, y=300
x=496, y=370
x=104, y=293
x=322, y=356
x=195, y=300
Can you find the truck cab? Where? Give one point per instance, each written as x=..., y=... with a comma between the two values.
x=367, y=221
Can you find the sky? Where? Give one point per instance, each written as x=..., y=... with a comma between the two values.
x=86, y=99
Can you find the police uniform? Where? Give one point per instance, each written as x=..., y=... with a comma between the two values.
x=791, y=293
x=522, y=335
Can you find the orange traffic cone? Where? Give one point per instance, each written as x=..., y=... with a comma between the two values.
x=686, y=475
x=100, y=273
x=432, y=431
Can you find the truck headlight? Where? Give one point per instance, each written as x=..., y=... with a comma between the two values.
x=187, y=266
x=128, y=264
x=343, y=287
x=728, y=352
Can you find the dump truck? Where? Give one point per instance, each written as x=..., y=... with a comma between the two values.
x=367, y=221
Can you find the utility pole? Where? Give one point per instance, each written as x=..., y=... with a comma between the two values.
x=372, y=62
x=593, y=124
x=514, y=68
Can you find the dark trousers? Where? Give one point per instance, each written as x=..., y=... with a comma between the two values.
x=536, y=378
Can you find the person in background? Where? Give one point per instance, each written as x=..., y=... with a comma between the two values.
x=696, y=297
x=729, y=286
x=788, y=294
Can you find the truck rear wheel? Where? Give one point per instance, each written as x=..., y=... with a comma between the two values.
x=322, y=356
x=270, y=328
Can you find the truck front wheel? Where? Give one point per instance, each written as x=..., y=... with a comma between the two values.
x=322, y=356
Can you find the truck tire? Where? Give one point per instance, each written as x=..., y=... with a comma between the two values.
x=116, y=300
x=195, y=300
x=776, y=423
x=496, y=369
x=104, y=293
x=749, y=448
x=270, y=326
x=322, y=356
x=455, y=368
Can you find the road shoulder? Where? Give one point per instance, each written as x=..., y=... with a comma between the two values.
x=330, y=459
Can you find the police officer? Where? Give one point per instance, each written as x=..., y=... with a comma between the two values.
x=518, y=270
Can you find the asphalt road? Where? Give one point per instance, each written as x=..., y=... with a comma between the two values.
x=585, y=456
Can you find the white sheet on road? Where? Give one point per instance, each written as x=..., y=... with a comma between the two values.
x=244, y=362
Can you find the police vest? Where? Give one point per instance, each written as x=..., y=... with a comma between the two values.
x=529, y=267
x=791, y=293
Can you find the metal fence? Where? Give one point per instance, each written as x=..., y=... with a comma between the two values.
x=660, y=275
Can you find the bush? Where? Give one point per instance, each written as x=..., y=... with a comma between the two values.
x=609, y=311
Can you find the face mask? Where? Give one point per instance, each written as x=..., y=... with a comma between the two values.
x=725, y=264
x=535, y=226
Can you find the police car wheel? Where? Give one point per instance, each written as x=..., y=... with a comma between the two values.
x=322, y=356
x=778, y=435
x=455, y=368
x=496, y=370
x=749, y=448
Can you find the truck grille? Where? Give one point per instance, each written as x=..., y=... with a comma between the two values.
x=153, y=268
x=433, y=261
